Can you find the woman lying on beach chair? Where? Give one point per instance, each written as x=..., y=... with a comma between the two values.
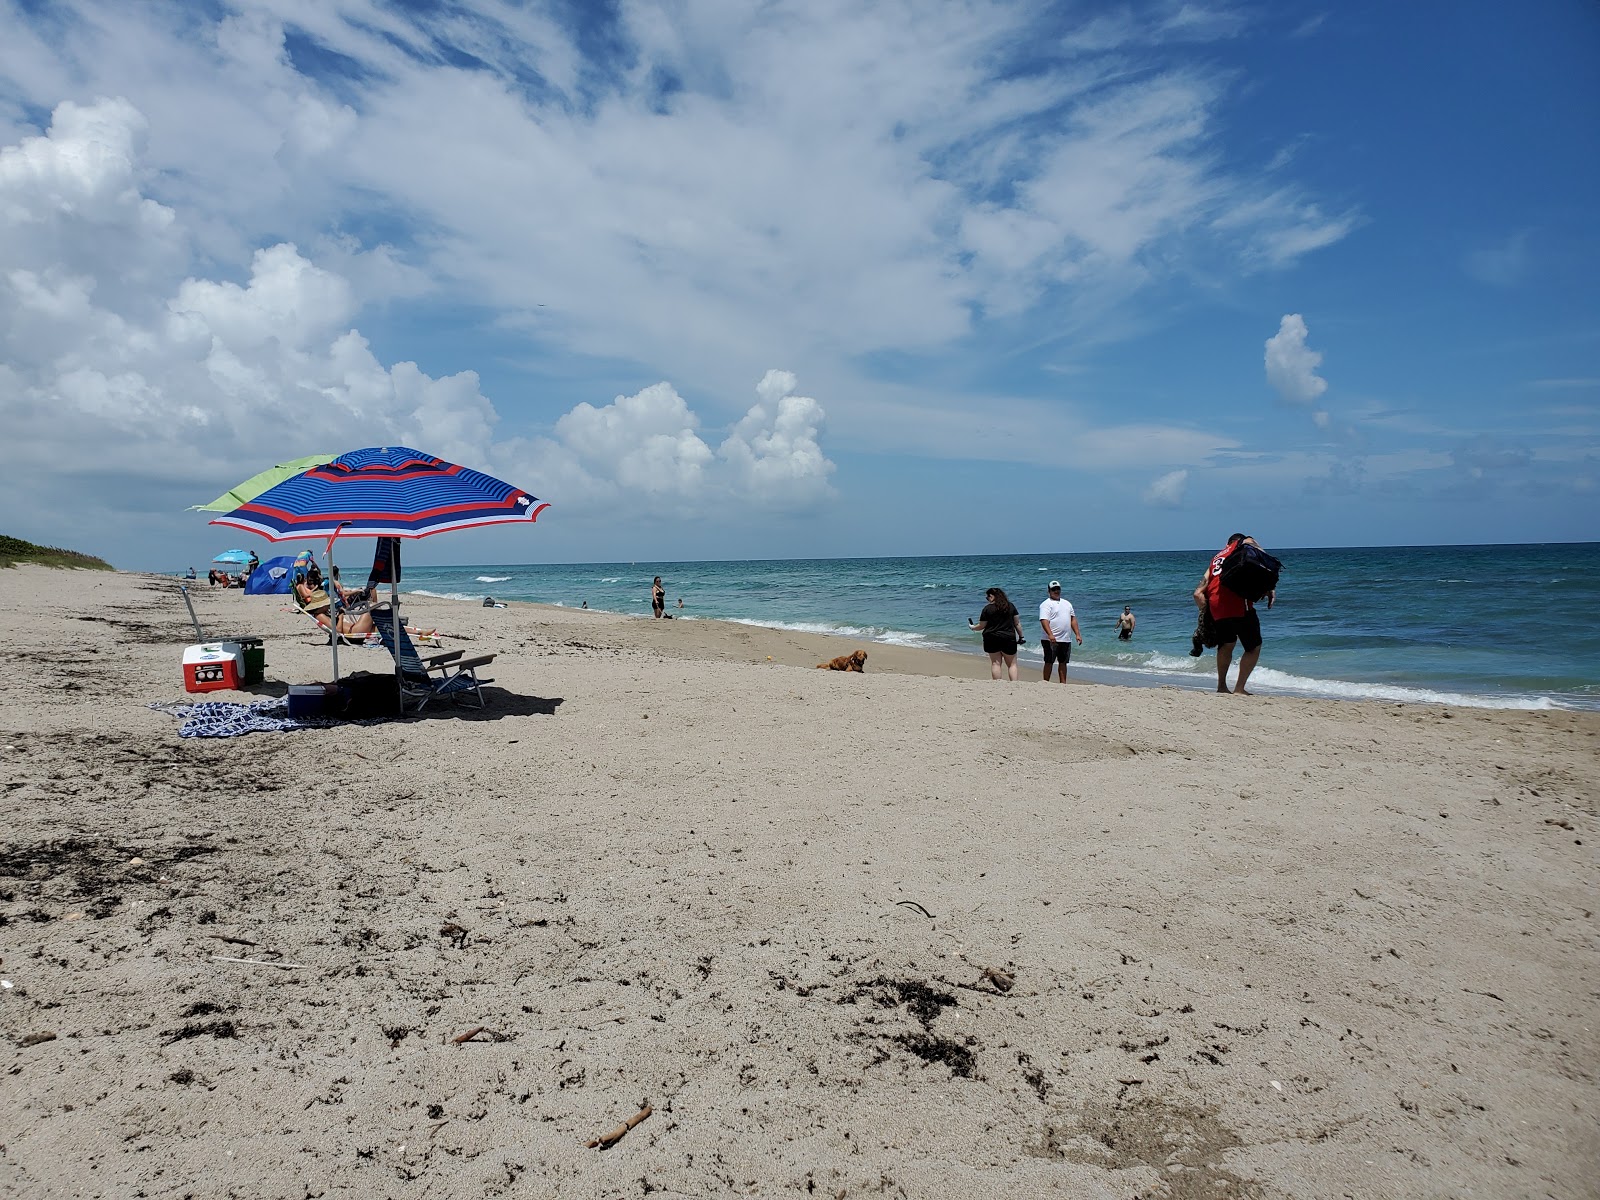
x=351, y=624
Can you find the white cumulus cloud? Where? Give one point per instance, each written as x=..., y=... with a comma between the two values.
x=1292, y=365
x=646, y=449
x=119, y=359
x=773, y=452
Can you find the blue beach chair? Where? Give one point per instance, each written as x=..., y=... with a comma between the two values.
x=425, y=679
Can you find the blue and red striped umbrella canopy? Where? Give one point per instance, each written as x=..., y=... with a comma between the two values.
x=388, y=491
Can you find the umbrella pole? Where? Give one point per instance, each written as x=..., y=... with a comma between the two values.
x=394, y=612
x=334, y=605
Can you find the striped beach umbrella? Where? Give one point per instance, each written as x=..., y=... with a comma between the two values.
x=386, y=492
x=383, y=492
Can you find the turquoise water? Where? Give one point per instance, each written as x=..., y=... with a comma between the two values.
x=1494, y=626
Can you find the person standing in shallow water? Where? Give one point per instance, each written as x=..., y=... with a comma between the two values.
x=658, y=599
x=1232, y=616
x=1125, y=624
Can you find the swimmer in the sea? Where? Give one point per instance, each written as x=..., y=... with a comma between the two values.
x=1125, y=624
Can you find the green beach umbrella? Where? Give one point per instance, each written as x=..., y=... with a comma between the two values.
x=243, y=493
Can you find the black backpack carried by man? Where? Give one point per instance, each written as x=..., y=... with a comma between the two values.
x=1250, y=572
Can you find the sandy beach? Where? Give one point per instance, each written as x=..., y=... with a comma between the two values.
x=904, y=933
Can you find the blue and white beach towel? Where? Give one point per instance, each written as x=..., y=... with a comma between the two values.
x=216, y=719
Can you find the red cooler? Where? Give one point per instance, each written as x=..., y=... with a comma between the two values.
x=212, y=667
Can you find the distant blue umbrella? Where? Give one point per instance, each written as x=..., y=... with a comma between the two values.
x=232, y=556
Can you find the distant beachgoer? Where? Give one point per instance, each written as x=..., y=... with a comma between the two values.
x=1060, y=624
x=658, y=599
x=249, y=567
x=585, y=604
x=680, y=603
x=1125, y=624
x=191, y=574
x=1233, y=618
x=1001, y=626
x=305, y=564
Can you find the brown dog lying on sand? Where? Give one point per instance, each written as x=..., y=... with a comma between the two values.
x=846, y=662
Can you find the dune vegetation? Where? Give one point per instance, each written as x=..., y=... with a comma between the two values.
x=15, y=550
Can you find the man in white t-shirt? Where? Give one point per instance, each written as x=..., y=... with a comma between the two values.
x=1060, y=628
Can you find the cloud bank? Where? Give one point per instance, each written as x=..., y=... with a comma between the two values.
x=116, y=361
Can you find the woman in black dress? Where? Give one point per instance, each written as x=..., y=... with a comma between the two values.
x=658, y=598
x=1001, y=627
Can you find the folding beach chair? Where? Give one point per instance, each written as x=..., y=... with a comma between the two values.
x=426, y=679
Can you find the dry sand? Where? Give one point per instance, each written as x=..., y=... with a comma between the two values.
x=1265, y=947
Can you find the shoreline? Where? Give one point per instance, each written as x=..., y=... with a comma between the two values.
x=835, y=929
x=1104, y=675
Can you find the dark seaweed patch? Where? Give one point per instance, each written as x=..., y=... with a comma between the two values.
x=921, y=1001
x=932, y=1049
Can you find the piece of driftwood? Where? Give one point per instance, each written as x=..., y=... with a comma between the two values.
x=607, y=1139
x=257, y=962
x=494, y=1035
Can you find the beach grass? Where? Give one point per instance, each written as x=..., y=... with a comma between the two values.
x=15, y=550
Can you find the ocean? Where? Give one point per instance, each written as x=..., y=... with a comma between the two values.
x=1485, y=626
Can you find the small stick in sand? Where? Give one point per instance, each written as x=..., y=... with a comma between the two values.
x=493, y=1035
x=256, y=962
x=915, y=905
x=607, y=1139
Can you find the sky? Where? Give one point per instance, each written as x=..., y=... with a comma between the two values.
x=826, y=278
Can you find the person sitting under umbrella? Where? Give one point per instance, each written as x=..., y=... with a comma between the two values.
x=314, y=599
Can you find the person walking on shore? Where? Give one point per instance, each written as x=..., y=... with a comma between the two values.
x=1125, y=624
x=1232, y=616
x=1060, y=625
x=1001, y=626
x=658, y=599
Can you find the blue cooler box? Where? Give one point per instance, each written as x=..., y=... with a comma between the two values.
x=314, y=700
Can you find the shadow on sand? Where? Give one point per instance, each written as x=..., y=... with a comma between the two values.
x=498, y=704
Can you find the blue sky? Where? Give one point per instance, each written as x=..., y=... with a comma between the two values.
x=721, y=280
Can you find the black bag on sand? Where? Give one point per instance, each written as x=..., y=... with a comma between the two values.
x=368, y=695
x=1250, y=572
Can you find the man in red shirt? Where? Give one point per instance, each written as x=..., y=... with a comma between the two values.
x=1233, y=617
